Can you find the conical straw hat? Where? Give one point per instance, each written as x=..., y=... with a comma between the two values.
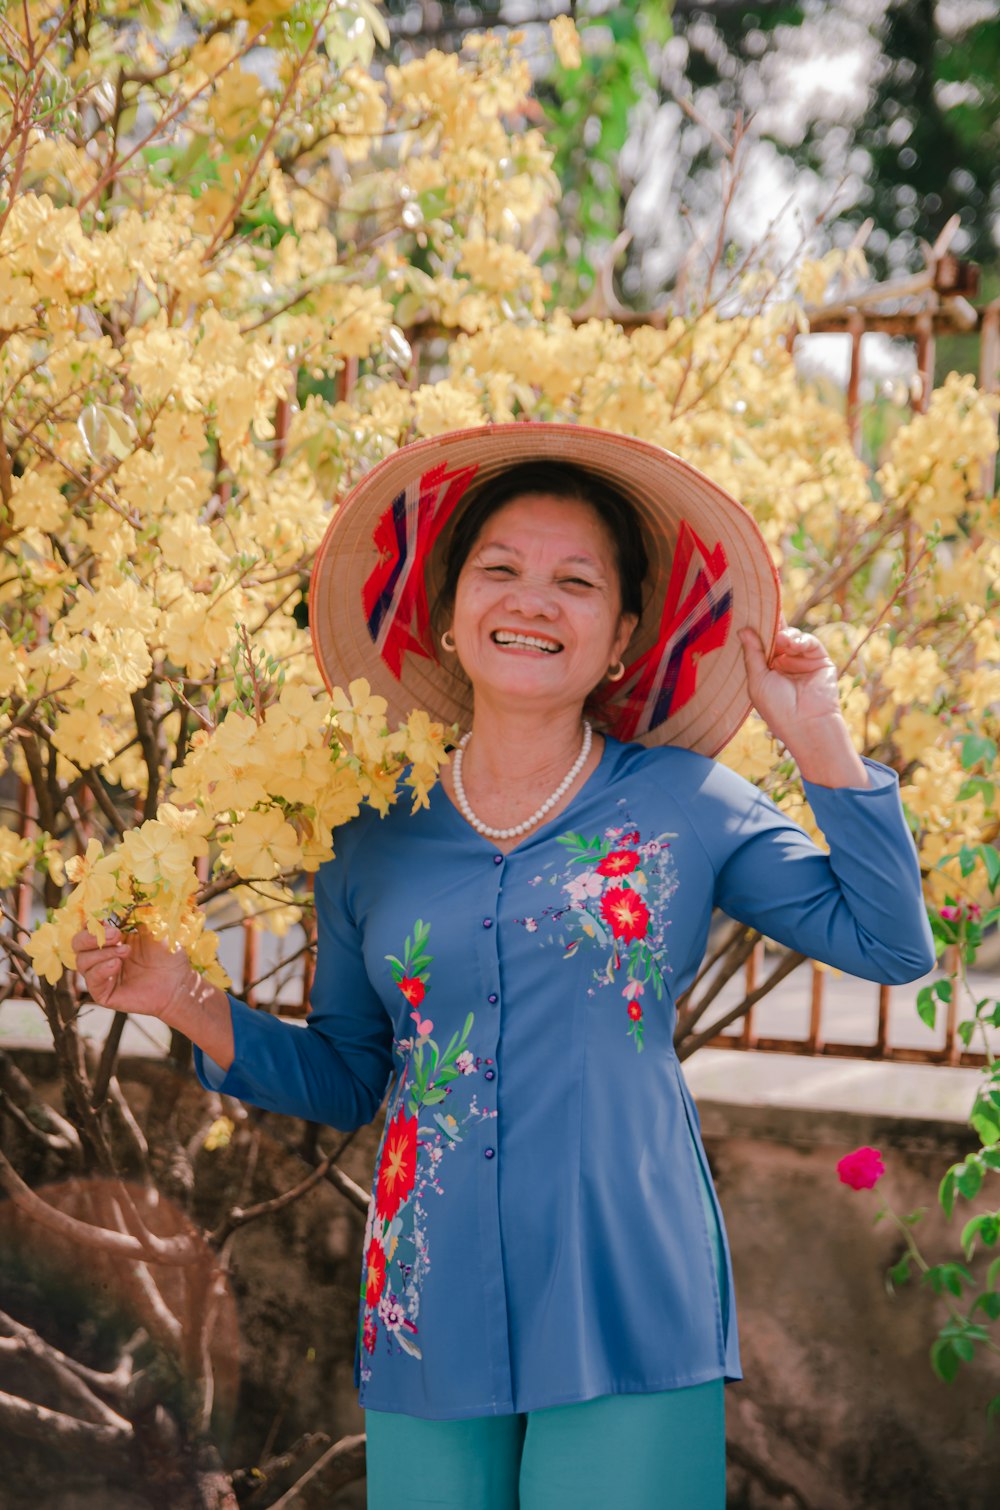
x=379, y=568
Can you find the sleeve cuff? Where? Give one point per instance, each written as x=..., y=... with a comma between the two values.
x=210, y=1074
x=881, y=778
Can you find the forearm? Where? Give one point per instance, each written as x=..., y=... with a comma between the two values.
x=201, y=1012
x=825, y=754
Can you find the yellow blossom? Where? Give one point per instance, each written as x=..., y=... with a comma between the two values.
x=912, y=674
x=264, y=844
x=15, y=854
x=566, y=41
x=155, y=852
x=917, y=731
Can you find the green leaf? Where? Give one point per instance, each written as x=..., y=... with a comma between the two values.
x=989, y=1303
x=986, y=1121
x=946, y=1192
x=433, y=1096
x=986, y=1227
x=977, y=786
x=927, y=1006
x=993, y=1409
x=944, y=1360
x=976, y=748
x=969, y=1177
x=991, y=860
x=900, y=1273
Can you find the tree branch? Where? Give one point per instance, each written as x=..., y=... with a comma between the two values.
x=178, y=1252
x=54, y=1429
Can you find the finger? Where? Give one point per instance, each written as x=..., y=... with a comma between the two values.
x=89, y=959
x=112, y=980
x=753, y=652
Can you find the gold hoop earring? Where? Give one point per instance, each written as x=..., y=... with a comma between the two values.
x=617, y=674
x=445, y=645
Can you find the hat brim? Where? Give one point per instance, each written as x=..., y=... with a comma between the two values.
x=429, y=482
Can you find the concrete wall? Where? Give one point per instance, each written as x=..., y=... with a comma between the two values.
x=839, y=1409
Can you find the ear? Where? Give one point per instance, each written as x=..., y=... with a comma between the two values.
x=626, y=628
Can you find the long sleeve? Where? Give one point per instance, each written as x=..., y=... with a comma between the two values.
x=860, y=908
x=334, y=1069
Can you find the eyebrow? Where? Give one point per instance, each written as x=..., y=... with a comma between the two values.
x=512, y=550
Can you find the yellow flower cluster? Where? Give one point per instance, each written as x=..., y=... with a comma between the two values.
x=264, y=794
x=935, y=464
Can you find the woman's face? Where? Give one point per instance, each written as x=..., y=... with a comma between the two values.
x=538, y=618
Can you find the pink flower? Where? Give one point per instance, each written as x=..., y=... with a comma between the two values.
x=632, y=989
x=392, y=1313
x=861, y=1169
x=465, y=1063
x=582, y=887
x=963, y=910
x=423, y=1027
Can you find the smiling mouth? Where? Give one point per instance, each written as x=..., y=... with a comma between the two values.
x=506, y=638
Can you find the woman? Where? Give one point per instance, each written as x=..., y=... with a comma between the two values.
x=546, y=1312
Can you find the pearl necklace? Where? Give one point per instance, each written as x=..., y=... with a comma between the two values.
x=539, y=813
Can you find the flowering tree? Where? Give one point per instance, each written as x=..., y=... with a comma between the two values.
x=239, y=263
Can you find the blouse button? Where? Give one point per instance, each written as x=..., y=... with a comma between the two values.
x=498, y=859
x=493, y=998
x=488, y=1074
x=487, y=922
x=488, y=1152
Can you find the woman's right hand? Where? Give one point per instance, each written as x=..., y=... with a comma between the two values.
x=133, y=972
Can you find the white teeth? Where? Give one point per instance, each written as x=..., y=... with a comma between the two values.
x=504, y=637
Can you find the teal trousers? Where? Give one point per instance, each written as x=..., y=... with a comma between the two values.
x=664, y=1451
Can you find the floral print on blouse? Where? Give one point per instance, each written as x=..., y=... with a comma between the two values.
x=425, y=1123
x=613, y=904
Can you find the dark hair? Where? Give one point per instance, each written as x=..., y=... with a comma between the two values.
x=559, y=480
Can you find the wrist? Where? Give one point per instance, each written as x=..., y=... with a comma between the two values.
x=192, y=998
x=825, y=755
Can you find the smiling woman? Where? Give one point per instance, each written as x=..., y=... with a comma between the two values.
x=545, y=1309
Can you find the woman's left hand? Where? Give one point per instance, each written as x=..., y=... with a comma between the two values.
x=796, y=693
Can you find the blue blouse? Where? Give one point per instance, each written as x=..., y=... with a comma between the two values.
x=538, y=1231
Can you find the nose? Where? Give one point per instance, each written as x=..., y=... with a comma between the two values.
x=532, y=599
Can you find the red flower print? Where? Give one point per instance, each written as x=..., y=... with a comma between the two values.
x=635, y=1011
x=413, y=989
x=861, y=1169
x=398, y=1166
x=632, y=837
x=375, y=1275
x=369, y=1333
x=625, y=912
x=618, y=863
